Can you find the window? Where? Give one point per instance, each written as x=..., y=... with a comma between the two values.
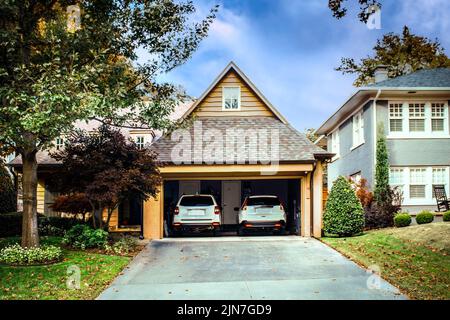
x=396, y=178
x=395, y=117
x=356, y=177
x=59, y=143
x=231, y=98
x=440, y=176
x=437, y=117
x=335, y=145
x=358, y=130
x=140, y=142
x=416, y=117
x=417, y=183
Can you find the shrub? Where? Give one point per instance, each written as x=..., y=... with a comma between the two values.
x=123, y=246
x=344, y=214
x=424, y=217
x=402, y=220
x=55, y=226
x=446, y=216
x=84, y=237
x=8, y=198
x=16, y=255
x=10, y=224
x=381, y=214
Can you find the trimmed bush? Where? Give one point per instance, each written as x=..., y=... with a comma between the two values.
x=424, y=217
x=84, y=237
x=16, y=255
x=402, y=220
x=344, y=215
x=8, y=198
x=446, y=216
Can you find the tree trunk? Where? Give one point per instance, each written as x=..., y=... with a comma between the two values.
x=30, y=236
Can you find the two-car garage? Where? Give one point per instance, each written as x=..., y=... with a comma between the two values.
x=230, y=195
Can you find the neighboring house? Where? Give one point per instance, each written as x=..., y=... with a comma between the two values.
x=47, y=166
x=414, y=110
x=237, y=145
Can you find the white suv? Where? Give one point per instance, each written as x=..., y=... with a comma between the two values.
x=196, y=213
x=262, y=212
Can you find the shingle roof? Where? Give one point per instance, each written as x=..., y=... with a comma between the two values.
x=293, y=146
x=431, y=78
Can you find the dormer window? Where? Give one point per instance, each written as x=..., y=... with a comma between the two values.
x=59, y=143
x=140, y=142
x=231, y=98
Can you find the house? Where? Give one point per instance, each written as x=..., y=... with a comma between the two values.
x=414, y=111
x=234, y=143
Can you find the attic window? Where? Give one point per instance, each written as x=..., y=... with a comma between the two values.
x=231, y=98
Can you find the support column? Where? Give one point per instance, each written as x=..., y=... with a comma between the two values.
x=154, y=216
x=305, y=195
x=318, y=200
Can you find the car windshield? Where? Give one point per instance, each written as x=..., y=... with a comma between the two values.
x=196, y=201
x=263, y=201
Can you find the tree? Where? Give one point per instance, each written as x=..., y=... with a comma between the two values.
x=402, y=54
x=381, y=190
x=8, y=199
x=344, y=215
x=339, y=10
x=74, y=204
x=107, y=168
x=56, y=69
x=387, y=200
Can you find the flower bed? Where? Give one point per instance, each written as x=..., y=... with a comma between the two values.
x=18, y=256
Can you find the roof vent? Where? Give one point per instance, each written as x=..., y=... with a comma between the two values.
x=381, y=73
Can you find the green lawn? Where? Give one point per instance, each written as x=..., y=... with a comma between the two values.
x=415, y=259
x=49, y=282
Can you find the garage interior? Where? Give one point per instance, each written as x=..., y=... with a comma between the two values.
x=230, y=194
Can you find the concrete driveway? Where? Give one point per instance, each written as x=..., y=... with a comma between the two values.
x=245, y=268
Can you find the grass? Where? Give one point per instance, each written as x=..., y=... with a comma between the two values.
x=49, y=282
x=415, y=259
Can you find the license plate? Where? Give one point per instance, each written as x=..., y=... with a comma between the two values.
x=263, y=210
x=196, y=212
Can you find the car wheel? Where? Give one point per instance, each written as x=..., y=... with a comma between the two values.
x=281, y=231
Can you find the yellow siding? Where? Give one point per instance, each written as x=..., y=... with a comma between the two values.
x=41, y=196
x=114, y=221
x=251, y=104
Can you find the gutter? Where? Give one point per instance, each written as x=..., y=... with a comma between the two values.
x=375, y=130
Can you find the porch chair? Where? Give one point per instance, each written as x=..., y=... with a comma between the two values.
x=441, y=197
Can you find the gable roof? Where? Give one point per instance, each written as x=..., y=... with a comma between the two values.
x=233, y=67
x=293, y=146
x=427, y=78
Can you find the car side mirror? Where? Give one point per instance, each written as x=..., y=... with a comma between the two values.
x=236, y=208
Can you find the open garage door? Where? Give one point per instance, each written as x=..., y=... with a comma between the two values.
x=230, y=194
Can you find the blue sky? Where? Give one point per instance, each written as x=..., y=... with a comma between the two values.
x=289, y=49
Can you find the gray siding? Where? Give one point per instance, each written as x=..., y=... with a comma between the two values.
x=356, y=160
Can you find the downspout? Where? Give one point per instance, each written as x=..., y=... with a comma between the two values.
x=375, y=132
x=311, y=200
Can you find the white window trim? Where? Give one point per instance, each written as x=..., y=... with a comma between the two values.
x=358, y=140
x=335, y=136
x=428, y=133
x=428, y=200
x=223, y=99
